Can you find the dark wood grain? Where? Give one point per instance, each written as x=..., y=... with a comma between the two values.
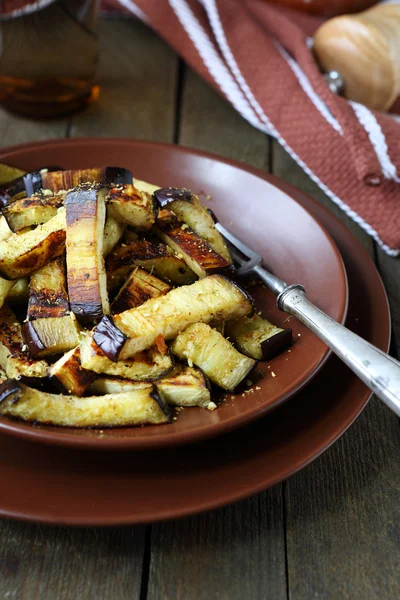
x=138, y=75
x=17, y=130
x=237, y=552
x=49, y=563
x=233, y=553
x=343, y=515
x=341, y=512
x=208, y=122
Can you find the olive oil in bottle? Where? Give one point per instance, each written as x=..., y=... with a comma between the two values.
x=48, y=56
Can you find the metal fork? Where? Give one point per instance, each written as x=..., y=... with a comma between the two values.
x=379, y=371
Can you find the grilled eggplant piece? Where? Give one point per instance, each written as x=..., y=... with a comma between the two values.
x=5, y=230
x=114, y=385
x=69, y=376
x=185, y=386
x=48, y=296
x=144, y=186
x=5, y=287
x=66, y=180
x=87, y=281
x=130, y=235
x=189, y=209
x=25, y=185
x=158, y=259
x=14, y=359
x=19, y=293
x=196, y=253
x=51, y=336
x=136, y=407
x=128, y=205
x=148, y=365
x=8, y=173
x=140, y=286
x=32, y=211
x=113, y=231
x=134, y=330
x=204, y=347
x=22, y=254
x=258, y=338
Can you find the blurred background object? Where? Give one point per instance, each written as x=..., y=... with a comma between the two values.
x=49, y=55
x=365, y=50
x=326, y=8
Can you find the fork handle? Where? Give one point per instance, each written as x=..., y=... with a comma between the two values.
x=377, y=370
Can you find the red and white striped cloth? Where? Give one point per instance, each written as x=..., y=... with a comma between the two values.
x=259, y=58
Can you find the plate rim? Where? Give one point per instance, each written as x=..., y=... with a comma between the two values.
x=65, y=439
x=312, y=455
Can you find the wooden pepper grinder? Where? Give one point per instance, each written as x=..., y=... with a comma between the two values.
x=365, y=50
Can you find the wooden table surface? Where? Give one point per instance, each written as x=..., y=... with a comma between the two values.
x=333, y=530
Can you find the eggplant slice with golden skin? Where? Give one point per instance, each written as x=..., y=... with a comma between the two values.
x=148, y=365
x=130, y=206
x=69, y=376
x=23, y=253
x=258, y=338
x=185, y=386
x=48, y=295
x=214, y=297
x=156, y=258
x=135, y=407
x=204, y=347
x=189, y=209
x=87, y=280
x=139, y=287
x=113, y=232
x=196, y=252
x=34, y=210
x=6, y=286
x=51, y=336
x=19, y=293
x=58, y=181
x=14, y=357
x=5, y=229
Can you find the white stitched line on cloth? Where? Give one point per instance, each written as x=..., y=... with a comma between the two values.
x=213, y=62
x=377, y=139
x=215, y=20
x=308, y=89
x=135, y=9
x=219, y=33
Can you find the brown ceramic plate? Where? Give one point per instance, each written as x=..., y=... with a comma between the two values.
x=70, y=487
x=291, y=240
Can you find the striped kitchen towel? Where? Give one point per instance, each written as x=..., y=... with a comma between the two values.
x=259, y=58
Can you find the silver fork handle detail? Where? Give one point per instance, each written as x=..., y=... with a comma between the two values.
x=377, y=370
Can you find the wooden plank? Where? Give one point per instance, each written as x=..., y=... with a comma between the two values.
x=233, y=553
x=51, y=562
x=16, y=130
x=389, y=269
x=137, y=98
x=209, y=123
x=286, y=168
x=343, y=515
x=237, y=552
x=342, y=511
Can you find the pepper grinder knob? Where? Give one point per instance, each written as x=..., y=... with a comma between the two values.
x=365, y=50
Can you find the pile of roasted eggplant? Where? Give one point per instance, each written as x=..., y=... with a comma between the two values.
x=117, y=300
